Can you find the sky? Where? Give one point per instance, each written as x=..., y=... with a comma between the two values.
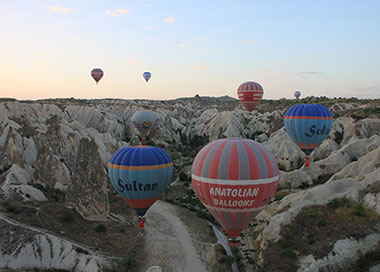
x=206, y=47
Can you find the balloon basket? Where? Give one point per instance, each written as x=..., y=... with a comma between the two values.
x=233, y=241
x=141, y=222
x=307, y=162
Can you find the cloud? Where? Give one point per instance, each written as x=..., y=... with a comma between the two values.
x=182, y=45
x=246, y=41
x=149, y=27
x=117, y=12
x=169, y=20
x=133, y=60
x=365, y=92
x=309, y=73
x=276, y=75
x=148, y=5
x=60, y=9
x=199, y=68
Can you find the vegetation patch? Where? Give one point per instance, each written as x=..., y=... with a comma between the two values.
x=316, y=229
x=368, y=260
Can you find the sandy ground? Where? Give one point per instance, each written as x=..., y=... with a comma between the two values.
x=168, y=243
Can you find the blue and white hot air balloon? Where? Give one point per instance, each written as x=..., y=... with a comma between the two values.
x=297, y=94
x=140, y=174
x=143, y=120
x=146, y=76
x=308, y=125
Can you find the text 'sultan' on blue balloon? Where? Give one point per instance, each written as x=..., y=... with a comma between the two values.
x=147, y=76
x=140, y=174
x=308, y=125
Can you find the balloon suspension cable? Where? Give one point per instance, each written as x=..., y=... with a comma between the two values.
x=307, y=162
x=141, y=221
x=233, y=241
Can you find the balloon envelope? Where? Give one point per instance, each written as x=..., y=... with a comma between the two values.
x=140, y=174
x=308, y=125
x=144, y=121
x=234, y=179
x=250, y=94
x=146, y=76
x=97, y=74
x=297, y=94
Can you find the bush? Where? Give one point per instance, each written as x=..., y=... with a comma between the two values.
x=127, y=261
x=67, y=218
x=337, y=202
x=359, y=210
x=100, y=228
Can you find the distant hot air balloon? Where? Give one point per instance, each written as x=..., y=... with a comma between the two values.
x=308, y=125
x=297, y=94
x=97, y=74
x=146, y=76
x=143, y=120
x=234, y=179
x=140, y=174
x=250, y=94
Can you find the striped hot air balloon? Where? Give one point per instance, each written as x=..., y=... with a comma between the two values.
x=308, y=125
x=234, y=179
x=97, y=74
x=140, y=174
x=250, y=94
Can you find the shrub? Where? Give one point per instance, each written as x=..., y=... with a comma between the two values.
x=337, y=202
x=127, y=261
x=359, y=210
x=100, y=228
x=67, y=218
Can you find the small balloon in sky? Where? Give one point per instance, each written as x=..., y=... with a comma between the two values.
x=97, y=74
x=147, y=76
x=297, y=94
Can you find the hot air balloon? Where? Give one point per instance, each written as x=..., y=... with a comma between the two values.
x=308, y=125
x=97, y=74
x=234, y=179
x=140, y=174
x=146, y=76
x=143, y=120
x=250, y=94
x=297, y=94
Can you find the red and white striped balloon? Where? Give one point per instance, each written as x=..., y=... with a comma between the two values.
x=97, y=74
x=250, y=94
x=234, y=179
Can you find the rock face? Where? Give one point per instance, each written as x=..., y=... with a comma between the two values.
x=24, y=248
x=64, y=145
x=87, y=192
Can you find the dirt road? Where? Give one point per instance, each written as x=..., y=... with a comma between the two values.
x=168, y=243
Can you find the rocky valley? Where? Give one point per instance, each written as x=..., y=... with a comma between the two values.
x=59, y=212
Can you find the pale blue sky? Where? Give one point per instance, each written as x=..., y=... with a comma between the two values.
x=47, y=48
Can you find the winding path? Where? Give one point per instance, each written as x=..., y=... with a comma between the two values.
x=168, y=243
